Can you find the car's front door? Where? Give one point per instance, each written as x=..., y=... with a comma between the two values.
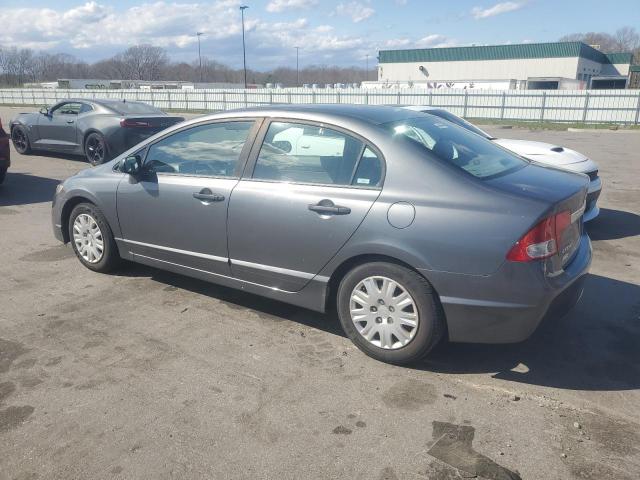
x=298, y=207
x=58, y=130
x=175, y=211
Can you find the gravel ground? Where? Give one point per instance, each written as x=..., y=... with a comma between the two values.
x=147, y=374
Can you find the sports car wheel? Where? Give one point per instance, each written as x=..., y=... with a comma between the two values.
x=20, y=140
x=96, y=150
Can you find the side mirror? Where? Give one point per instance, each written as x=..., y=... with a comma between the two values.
x=132, y=165
x=283, y=145
x=44, y=111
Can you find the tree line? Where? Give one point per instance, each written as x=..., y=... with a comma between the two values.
x=625, y=39
x=146, y=62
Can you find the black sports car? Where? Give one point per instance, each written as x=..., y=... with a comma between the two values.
x=5, y=157
x=97, y=129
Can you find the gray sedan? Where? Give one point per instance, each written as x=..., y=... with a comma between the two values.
x=97, y=129
x=413, y=228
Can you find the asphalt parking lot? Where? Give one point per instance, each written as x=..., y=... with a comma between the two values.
x=147, y=374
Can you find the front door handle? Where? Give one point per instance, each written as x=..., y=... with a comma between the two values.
x=206, y=195
x=327, y=207
x=70, y=121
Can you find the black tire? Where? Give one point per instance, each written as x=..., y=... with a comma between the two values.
x=3, y=174
x=96, y=149
x=110, y=259
x=431, y=322
x=20, y=140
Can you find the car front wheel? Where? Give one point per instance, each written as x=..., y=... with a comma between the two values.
x=92, y=239
x=390, y=312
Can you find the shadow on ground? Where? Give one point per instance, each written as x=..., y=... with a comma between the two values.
x=237, y=299
x=594, y=347
x=24, y=189
x=613, y=224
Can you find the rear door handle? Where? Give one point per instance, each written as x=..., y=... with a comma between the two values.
x=328, y=207
x=206, y=195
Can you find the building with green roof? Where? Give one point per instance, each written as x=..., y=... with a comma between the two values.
x=529, y=65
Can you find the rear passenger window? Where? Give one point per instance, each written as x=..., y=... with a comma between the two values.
x=312, y=154
x=207, y=150
x=369, y=171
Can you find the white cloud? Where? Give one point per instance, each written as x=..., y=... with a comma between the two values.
x=430, y=41
x=356, y=10
x=284, y=5
x=497, y=9
x=93, y=24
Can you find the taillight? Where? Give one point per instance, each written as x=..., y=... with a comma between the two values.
x=131, y=123
x=541, y=241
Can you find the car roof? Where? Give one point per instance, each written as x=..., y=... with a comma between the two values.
x=372, y=114
x=105, y=102
x=421, y=108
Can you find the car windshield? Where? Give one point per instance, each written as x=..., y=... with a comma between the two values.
x=457, y=146
x=459, y=121
x=133, y=108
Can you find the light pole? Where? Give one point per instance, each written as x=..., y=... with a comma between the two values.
x=297, y=67
x=244, y=52
x=198, y=34
x=366, y=72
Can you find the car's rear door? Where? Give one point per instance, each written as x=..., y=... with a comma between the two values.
x=291, y=212
x=57, y=131
x=176, y=211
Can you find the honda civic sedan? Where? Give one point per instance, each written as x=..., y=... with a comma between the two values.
x=412, y=228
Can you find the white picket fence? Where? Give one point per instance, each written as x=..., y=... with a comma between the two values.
x=581, y=106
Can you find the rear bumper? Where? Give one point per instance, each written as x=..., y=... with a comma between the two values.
x=591, y=209
x=508, y=306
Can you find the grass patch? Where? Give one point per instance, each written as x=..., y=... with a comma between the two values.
x=533, y=125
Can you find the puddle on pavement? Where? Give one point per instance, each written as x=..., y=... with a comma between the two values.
x=53, y=254
x=454, y=447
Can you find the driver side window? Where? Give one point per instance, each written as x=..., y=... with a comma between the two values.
x=207, y=150
x=70, y=108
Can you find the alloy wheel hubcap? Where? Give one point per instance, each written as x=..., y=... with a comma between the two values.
x=96, y=150
x=384, y=312
x=87, y=238
x=19, y=140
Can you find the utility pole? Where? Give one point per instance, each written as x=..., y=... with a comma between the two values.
x=198, y=34
x=244, y=51
x=297, y=67
x=366, y=71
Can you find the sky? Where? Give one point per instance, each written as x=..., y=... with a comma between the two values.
x=338, y=32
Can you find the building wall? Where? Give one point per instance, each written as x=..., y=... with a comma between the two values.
x=518, y=69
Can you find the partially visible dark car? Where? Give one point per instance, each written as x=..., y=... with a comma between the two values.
x=97, y=129
x=5, y=156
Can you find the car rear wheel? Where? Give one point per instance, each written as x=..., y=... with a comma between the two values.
x=20, y=140
x=92, y=239
x=96, y=149
x=390, y=312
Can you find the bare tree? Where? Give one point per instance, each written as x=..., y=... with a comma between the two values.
x=141, y=62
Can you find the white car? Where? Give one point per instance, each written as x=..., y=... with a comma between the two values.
x=540, y=152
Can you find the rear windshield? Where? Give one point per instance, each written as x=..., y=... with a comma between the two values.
x=457, y=146
x=133, y=108
x=459, y=121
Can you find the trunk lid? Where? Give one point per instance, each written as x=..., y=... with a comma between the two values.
x=560, y=191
